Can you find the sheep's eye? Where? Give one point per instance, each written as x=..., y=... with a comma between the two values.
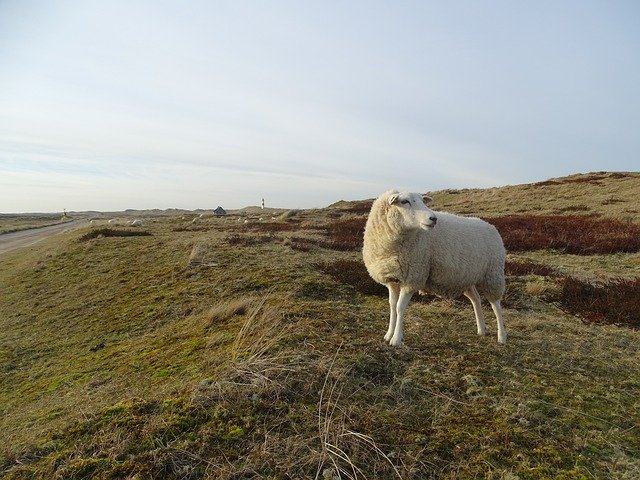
x=405, y=202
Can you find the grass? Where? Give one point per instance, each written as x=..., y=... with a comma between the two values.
x=190, y=355
x=609, y=195
x=16, y=222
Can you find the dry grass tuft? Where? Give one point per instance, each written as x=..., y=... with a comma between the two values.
x=228, y=309
x=200, y=257
x=536, y=288
x=343, y=451
x=263, y=328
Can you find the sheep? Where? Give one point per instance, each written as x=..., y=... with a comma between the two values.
x=409, y=248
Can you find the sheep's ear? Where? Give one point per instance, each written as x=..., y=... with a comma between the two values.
x=427, y=199
x=393, y=199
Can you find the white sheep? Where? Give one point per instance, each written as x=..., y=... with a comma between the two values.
x=409, y=248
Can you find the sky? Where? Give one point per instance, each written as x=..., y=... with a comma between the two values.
x=109, y=105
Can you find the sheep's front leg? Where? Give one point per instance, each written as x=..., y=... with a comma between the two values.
x=403, y=301
x=394, y=294
x=502, y=332
x=473, y=295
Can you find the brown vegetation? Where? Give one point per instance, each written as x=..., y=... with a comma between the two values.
x=527, y=268
x=614, y=302
x=581, y=235
x=354, y=273
x=109, y=232
x=346, y=235
x=595, y=178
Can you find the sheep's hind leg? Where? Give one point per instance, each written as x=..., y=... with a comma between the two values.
x=473, y=295
x=403, y=302
x=502, y=332
x=394, y=294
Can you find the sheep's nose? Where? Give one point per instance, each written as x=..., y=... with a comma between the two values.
x=433, y=219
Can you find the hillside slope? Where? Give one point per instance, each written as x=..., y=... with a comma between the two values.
x=229, y=350
x=613, y=194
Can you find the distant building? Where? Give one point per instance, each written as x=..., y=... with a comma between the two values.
x=220, y=211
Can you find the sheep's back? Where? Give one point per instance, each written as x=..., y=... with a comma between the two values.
x=465, y=251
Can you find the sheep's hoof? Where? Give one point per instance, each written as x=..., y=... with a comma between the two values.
x=502, y=340
x=395, y=342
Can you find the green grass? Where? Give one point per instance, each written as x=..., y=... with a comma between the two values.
x=204, y=354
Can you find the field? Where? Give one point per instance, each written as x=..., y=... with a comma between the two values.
x=15, y=222
x=237, y=347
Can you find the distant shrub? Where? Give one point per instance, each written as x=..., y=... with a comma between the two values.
x=527, y=268
x=108, y=232
x=581, y=235
x=614, y=303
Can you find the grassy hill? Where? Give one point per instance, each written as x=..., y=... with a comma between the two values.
x=225, y=349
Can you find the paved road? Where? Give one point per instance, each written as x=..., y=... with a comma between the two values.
x=24, y=238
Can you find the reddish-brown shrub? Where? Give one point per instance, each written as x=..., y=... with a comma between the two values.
x=582, y=235
x=354, y=273
x=345, y=235
x=109, y=232
x=615, y=302
x=527, y=268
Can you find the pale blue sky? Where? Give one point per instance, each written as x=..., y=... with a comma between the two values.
x=109, y=105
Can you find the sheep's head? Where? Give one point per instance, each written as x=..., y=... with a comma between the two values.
x=408, y=211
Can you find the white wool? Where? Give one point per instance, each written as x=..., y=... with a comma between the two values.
x=409, y=248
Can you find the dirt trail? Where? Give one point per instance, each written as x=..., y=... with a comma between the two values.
x=25, y=238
